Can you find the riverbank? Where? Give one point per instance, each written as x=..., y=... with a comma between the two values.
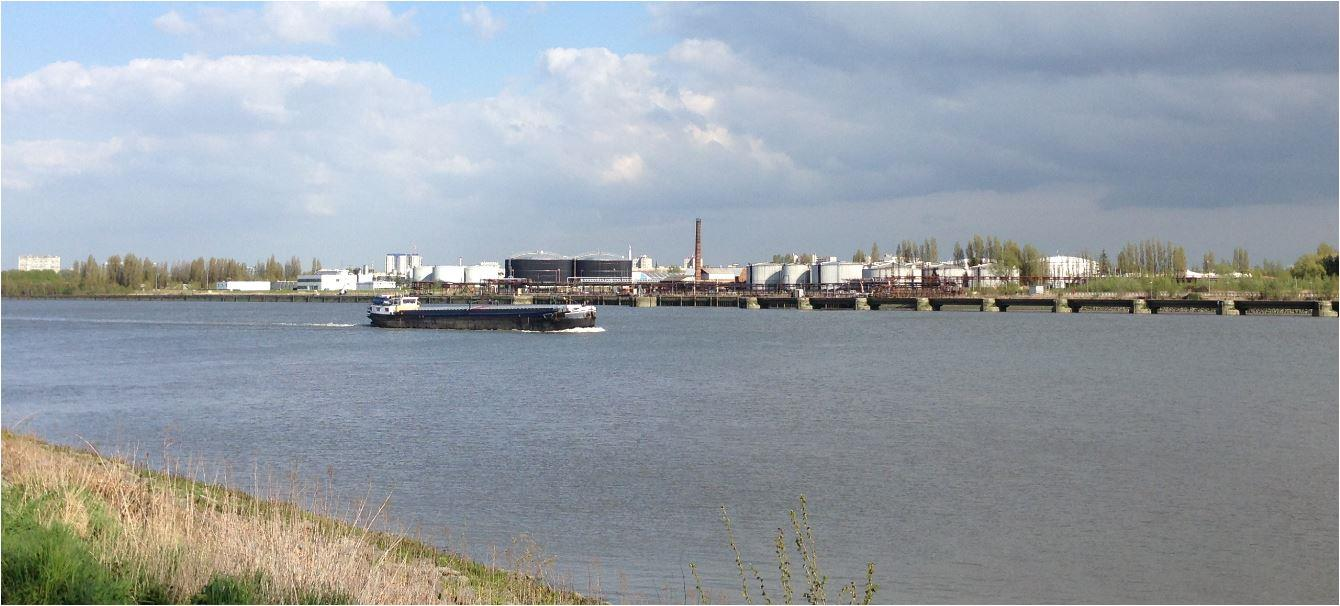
x=83, y=528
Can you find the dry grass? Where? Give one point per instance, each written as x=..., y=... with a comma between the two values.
x=172, y=532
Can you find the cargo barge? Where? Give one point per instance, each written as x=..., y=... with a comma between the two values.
x=405, y=312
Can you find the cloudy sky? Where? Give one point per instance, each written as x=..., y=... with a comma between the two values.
x=346, y=131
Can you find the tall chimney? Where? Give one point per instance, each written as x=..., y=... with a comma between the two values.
x=697, y=248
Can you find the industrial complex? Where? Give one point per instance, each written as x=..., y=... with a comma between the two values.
x=604, y=272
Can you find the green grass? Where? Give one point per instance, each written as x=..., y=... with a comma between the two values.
x=49, y=563
x=80, y=528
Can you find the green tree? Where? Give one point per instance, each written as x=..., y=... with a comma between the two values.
x=859, y=256
x=132, y=271
x=115, y=273
x=874, y=251
x=273, y=270
x=1032, y=264
x=1241, y=262
x=1317, y=264
x=293, y=268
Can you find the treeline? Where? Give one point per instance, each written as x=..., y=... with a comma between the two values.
x=120, y=273
x=1006, y=254
x=1145, y=258
x=131, y=271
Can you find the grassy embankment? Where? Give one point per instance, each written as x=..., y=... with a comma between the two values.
x=81, y=528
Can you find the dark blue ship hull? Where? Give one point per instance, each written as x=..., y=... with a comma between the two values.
x=490, y=318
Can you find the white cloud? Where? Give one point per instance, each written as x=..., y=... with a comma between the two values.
x=289, y=22
x=712, y=134
x=624, y=169
x=482, y=21
x=696, y=103
x=32, y=163
x=172, y=22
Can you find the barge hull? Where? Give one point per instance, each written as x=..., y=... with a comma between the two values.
x=536, y=322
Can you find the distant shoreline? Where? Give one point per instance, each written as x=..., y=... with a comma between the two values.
x=1225, y=304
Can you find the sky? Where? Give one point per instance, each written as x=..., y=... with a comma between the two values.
x=476, y=131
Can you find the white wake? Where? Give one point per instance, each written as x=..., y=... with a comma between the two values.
x=584, y=330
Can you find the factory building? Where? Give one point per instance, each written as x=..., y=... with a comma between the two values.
x=242, y=285
x=328, y=279
x=39, y=263
x=367, y=282
x=402, y=264
x=725, y=274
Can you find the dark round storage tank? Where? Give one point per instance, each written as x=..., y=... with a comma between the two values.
x=540, y=267
x=601, y=267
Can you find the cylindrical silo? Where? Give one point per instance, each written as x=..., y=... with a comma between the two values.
x=601, y=267
x=765, y=274
x=848, y=270
x=477, y=274
x=540, y=268
x=795, y=273
x=422, y=273
x=828, y=273
x=449, y=274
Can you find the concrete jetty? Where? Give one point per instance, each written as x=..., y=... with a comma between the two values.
x=819, y=301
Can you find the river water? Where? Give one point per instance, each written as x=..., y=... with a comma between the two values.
x=1013, y=457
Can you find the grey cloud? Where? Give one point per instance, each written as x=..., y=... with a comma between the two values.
x=1162, y=104
x=1061, y=38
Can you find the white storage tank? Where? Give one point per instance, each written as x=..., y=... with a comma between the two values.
x=477, y=274
x=422, y=273
x=849, y=270
x=450, y=274
x=765, y=274
x=889, y=271
x=828, y=273
x=794, y=273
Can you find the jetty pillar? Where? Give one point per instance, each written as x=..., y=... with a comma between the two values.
x=1061, y=306
x=924, y=304
x=803, y=303
x=862, y=304
x=989, y=304
x=751, y=303
x=1138, y=306
x=1227, y=308
x=523, y=299
x=1324, y=310
x=644, y=301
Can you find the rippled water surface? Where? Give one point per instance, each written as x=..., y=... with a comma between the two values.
x=1015, y=457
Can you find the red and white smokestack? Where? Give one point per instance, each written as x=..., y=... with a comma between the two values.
x=697, y=248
